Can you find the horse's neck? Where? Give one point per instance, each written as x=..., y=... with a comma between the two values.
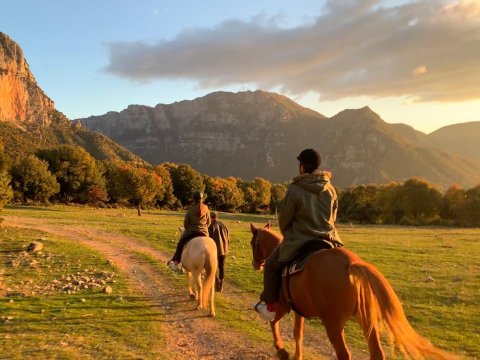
x=274, y=240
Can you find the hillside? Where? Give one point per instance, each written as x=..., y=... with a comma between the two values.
x=250, y=134
x=461, y=139
x=29, y=120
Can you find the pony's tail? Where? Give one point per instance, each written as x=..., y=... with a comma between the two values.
x=379, y=307
x=211, y=265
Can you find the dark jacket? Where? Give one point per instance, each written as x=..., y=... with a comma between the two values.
x=218, y=231
x=308, y=212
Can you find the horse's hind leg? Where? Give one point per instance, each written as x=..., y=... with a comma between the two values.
x=337, y=338
x=191, y=294
x=198, y=289
x=374, y=345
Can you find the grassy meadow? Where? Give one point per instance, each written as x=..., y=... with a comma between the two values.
x=435, y=272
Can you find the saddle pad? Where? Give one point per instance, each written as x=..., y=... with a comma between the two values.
x=308, y=251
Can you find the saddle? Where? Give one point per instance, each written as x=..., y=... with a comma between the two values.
x=307, y=251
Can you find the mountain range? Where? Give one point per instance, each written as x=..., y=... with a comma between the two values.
x=245, y=134
x=250, y=134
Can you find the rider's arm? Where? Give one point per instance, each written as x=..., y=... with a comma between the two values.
x=287, y=211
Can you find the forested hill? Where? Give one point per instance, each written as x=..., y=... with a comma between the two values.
x=250, y=134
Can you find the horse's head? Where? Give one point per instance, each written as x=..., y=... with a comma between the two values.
x=263, y=242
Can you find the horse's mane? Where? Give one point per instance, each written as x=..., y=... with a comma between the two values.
x=274, y=234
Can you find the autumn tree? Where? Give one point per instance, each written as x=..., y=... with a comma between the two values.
x=185, y=180
x=132, y=183
x=256, y=194
x=32, y=181
x=223, y=194
x=165, y=196
x=77, y=172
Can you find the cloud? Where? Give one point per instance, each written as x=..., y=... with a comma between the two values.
x=354, y=48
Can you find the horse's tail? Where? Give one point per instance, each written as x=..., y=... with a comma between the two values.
x=379, y=307
x=211, y=265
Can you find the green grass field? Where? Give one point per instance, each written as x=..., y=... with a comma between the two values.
x=98, y=325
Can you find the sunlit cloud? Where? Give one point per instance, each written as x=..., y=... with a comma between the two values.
x=419, y=70
x=354, y=48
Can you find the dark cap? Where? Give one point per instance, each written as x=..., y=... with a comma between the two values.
x=197, y=195
x=213, y=215
x=310, y=157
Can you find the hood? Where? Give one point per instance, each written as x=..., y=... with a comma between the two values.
x=315, y=182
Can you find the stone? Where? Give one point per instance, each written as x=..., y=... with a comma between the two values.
x=35, y=246
x=107, y=290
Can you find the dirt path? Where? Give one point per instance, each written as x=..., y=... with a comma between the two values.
x=190, y=334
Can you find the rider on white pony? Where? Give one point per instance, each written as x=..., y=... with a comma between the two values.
x=196, y=222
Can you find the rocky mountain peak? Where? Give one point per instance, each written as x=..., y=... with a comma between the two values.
x=22, y=102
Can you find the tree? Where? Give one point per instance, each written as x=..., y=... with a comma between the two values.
x=223, y=194
x=388, y=200
x=256, y=193
x=32, y=181
x=5, y=188
x=358, y=204
x=420, y=201
x=132, y=183
x=185, y=181
x=453, y=202
x=277, y=193
x=80, y=178
x=471, y=208
x=165, y=196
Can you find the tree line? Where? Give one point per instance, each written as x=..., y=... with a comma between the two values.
x=69, y=174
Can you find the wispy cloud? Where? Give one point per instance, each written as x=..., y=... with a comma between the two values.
x=427, y=50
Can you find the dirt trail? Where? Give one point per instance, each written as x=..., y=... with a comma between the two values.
x=190, y=334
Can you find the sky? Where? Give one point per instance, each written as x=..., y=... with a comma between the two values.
x=412, y=62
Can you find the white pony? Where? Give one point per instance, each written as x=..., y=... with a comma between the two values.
x=200, y=254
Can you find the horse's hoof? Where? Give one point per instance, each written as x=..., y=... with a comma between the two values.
x=191, y=296
x=212, y=315
x=282, y=354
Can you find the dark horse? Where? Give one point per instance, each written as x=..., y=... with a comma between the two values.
x=335, y=286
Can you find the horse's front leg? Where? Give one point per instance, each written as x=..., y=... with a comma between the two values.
x=282, y=354
x=298, y=333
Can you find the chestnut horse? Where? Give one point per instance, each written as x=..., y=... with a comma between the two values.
x=200, y=254
x=336, y=285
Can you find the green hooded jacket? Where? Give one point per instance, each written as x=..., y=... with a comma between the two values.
x=308, y=212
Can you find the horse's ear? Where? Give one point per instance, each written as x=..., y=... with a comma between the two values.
x=180, y=228
x=253, y=229
x=268, y=226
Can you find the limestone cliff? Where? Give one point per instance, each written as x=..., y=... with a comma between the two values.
x=250, y=134
x=21, y=99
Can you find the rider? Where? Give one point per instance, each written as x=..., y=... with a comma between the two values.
x=196, y=222
x=308, y=212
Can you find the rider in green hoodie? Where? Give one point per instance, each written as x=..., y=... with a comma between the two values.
x=308, y=212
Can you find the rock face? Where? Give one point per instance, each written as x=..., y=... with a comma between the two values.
x=29, y=120
x=250, y=134
x=21, y=100
x=246, y=134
